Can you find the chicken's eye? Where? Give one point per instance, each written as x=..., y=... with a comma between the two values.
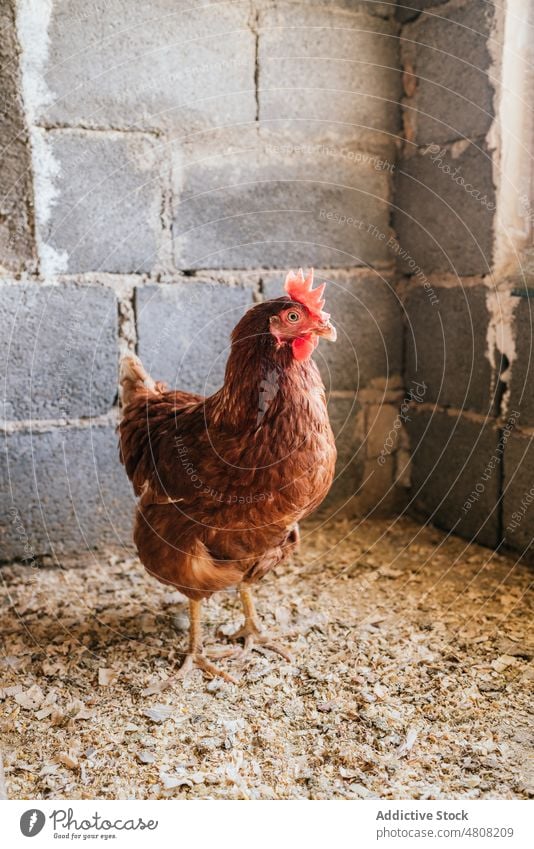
x=293, y=316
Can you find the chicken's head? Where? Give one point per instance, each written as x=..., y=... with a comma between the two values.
x=290, y=326
x=301, y=320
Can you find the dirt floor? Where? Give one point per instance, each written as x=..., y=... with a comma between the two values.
x=410, y=678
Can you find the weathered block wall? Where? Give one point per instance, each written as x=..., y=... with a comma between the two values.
x=168, y=162
x=468, y=337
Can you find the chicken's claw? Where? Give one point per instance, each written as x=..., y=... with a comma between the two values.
x=190, y=661
x=253, y=637
x=200, y=661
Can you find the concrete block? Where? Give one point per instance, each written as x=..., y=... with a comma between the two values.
x=380, y=494
x=367, y=316
x=407, y=10
x=383, y=430
x=184, y=331
x=262, y=202
x=17, y=249
x=344, y=414
x=58, y=347
x=445, y=210
x=522, y=380
x=100, y=204
x=320, y=67
x=369, y=7
x=449, y=52
x=143, y=65
x=403, y=469
x=63, y=492
x=456, y=472
x=518, y=488
x=446, y=347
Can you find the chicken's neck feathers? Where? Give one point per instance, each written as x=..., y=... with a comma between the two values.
x=263, y=385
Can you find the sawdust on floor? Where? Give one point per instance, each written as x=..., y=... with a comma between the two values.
x=410, y=677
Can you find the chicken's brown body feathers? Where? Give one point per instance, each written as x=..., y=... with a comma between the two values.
x=222, y=480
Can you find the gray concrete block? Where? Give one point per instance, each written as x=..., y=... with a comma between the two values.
x=144, y=65
x=58, y=348
x=449, y=51
x=383, y=430
x=367, y=315
x=446, y=347
x=184, y=331
x=407, y=10
x=17, y=249
x=101, y=198
x=350, y=460
x=343, y=76
x=522, y=380
x=456, y=473
x=268, y=202
x=369, y=7
x=381, y=493
x=442, y=223
x=63, y=492
x=518, y=488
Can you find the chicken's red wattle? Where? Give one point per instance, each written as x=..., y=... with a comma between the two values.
x=304, y=346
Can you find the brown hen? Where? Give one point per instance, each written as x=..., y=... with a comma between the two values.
x=223, y=481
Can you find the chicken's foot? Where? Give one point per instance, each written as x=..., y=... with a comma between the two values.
x=195, y=656
x=251, y=632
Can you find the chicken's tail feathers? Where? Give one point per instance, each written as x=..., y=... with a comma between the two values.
x=133, y=378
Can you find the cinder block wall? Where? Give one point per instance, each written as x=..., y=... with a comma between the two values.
x=468, y=333
x=166, y=162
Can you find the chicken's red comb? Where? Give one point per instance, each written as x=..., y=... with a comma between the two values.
x=300, y=289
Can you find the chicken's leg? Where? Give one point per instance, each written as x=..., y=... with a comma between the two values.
x=251, y=631
x=195, y=655
x=293, y=537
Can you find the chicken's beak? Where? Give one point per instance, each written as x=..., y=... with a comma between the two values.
x=326, y=330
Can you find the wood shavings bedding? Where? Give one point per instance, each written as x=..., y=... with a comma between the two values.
x=410, y=677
